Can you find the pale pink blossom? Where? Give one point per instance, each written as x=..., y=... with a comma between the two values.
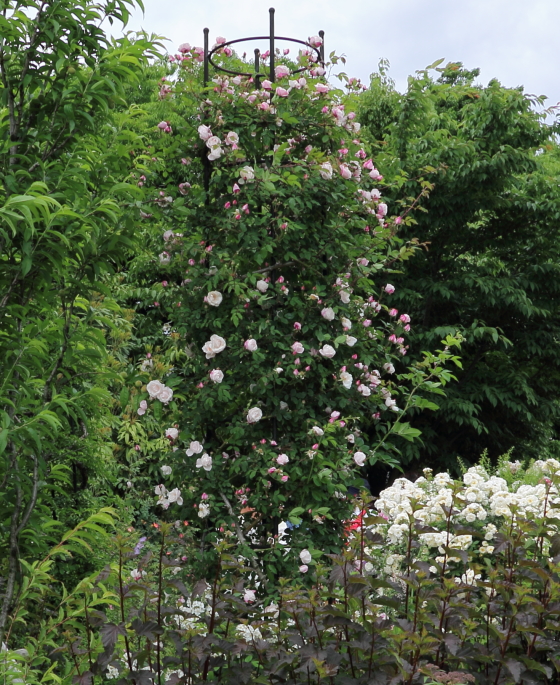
x=184, y=47
x=297, y=326
x=345, y=171
x=249, y=596
x=194, y=448
x=304, y=568
x=389, y=289
x=262, y=286
x=204, y=462
x=298, y=348
x=172, y=433
x=359, y=458
x=327, y=351
x=281, y=70
x=166, y=395
x=154, y=388
x=250, y=345
x=216, y=376
x=328, y=313
x=282, y=92
x=282, y=459
x=214, y=346
x=321, y=88
x=204, y=132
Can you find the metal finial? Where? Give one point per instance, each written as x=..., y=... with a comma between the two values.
x=272, y=54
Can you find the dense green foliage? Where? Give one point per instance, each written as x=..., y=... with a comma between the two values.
x=66, y=221
x=142, y=216
x=490, y=269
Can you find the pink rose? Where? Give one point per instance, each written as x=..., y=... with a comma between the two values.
x=321, y=88
x=282, y=459
x=250, y=345
x=297, y=348
x=282, y=92
x=389, y=289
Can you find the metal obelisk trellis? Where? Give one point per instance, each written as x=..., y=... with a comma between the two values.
x=257, y=74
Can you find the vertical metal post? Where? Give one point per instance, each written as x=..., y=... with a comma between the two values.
x=257, y=69
x=272, y=55
x=322, y=48
x=206, y=75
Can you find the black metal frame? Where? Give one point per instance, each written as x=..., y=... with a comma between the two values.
x=258, y=75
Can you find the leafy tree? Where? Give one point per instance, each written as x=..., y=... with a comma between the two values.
x=273, y=354
x=67, y=218
x=491, y=262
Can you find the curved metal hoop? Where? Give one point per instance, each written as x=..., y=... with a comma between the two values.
x=208, y=54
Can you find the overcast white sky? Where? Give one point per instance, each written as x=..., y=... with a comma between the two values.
x=514, y=41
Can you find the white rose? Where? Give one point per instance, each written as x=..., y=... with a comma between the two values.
x=165, y=395
x=246, y=174
x=327, y=351
x=326, y=171
x=345, y=296
x=203, y=510
x=175, y=496
x=366, y=392
x=317, y=431
x=254, y=415
x=350, y=438
x=154, y=388
x=172, y=433
x=283, y=406
x=216, y=375
x=215, y=345
x=346, y=379
x=216, y=153
x=305, y=556
x=204, y=462
x=328, y=313
x=214, y=298
x=164, y=258
x=389, y=368
x=194, y=448
x=262, y=286
x=346, y=323
x=359, y=458
x=166, y=470
x=351, y=341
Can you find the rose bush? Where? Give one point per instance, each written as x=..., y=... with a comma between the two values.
x=279, y=248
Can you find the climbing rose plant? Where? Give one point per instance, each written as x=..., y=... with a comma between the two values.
x=284, y=359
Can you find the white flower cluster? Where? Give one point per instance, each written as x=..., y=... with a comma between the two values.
x=481, y=500
x=157, y=390
x=166, y=498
